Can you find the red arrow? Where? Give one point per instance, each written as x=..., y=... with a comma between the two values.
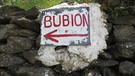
x=50, y=35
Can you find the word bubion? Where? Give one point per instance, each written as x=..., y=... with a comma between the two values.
x=66, y=20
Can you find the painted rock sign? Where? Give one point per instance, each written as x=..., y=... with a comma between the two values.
x=65, y=26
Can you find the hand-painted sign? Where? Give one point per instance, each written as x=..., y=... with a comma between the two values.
x=65, y=26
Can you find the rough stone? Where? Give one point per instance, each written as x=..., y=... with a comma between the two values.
x=113, y=3
x=7, y=60
x=3, y=47
x=5, y=30
x=73, y=58
x=24, y=33
x=19, y=36
x=105, y=55
x=108, y=72
x=38, y=41
x=127, y=67
x=103, y=63
x=124, y=20
x=16, y=45
x=18, y=14
x=28, y=34
x=91, y=72
x=34, y=71
x=26, y=23
x=132, y=9
x=109, y=27
x=59, y=70
x=1, y=2
x=124, y=33
x=4, y=73
x=19, y=44
x=4, y=20
x=31, y=56
x=68, y=61
x=125, y=50
x=33, y=13
x=70, y=74
x=9, y=10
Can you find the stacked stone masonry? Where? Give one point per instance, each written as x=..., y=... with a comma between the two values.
x=20, y=38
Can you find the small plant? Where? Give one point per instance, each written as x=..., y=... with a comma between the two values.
x=26, y=4
x=119, y=10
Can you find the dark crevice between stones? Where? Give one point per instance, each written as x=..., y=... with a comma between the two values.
x=60, y=47
x=5, y=20
x=3, y=41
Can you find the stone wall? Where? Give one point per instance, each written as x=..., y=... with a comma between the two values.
x=19, y=43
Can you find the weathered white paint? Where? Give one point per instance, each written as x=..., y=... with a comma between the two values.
x=97, y=35
x=77, y=57
x=47, y=54
x=70, y=29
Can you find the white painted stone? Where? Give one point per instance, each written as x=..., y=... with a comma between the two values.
x=47, y=55
x=77, y=57
x=69, y=34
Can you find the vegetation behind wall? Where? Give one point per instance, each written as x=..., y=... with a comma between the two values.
x=27, y=4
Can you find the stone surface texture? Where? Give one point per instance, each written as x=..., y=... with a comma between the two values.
x=22, y=55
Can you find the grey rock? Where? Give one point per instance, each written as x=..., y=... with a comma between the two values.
x=14, y=32
x=70, y=74
x=124, y=20
x=28, y=34
x=18, y=14
x=59, y=70
x=16, y=45
x=91, y=72
x=132, y=8
x=1, y=2
x=108, y=72
x=105, y=55
x=103, y=63
x=113, y=3
x=3, y=47
x=4, y=20
x=125, y=50
x=60, y=55
x=38, y=41
x=24, y=33
x=124, y=33
x=69, y=60
x=34, y=71
x=5, y=30
x=4, y=73
x=128, y=45
x=9, y=10
x=33, y=13
x=38, y=20
x=27, y=24
x=127, y=67
x=7, y=60
x=31, y=56
x=109, y=27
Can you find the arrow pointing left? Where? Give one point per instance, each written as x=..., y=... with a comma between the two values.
x=50, y=35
